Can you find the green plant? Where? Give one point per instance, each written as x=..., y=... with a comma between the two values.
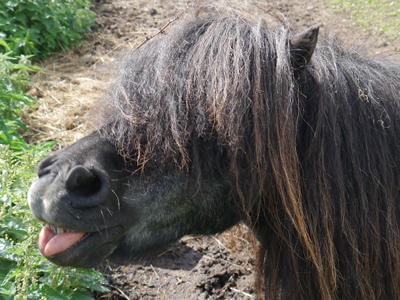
x=41, y=27
x=24, y=273
x=31, y=27
x=14, y=75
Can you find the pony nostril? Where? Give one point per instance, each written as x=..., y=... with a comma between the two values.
x=83, y=182
x=45, y=166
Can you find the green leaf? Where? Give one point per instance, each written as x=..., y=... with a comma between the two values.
x=3, y=43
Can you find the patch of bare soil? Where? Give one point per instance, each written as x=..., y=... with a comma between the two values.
x=216, y=267
x=210, y=267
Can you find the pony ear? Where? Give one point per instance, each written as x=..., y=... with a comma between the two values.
x=302, y=47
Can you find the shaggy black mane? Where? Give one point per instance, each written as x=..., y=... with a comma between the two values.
x=314, y=151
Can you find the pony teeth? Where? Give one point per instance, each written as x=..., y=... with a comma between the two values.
x=58, y=230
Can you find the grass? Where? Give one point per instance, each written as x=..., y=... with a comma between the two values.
x=376, y=16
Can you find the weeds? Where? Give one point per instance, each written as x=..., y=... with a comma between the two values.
x=24, y=273
x=14, y=75
x=32, y=28
x=41, y=27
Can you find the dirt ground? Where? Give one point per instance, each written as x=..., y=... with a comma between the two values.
x=215, y=267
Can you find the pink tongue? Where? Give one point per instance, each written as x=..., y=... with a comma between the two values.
x=51, y=244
